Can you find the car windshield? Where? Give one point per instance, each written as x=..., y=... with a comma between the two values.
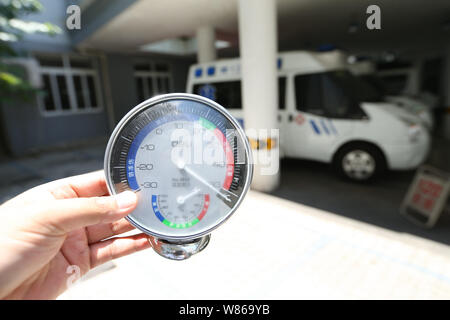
x=361, y=91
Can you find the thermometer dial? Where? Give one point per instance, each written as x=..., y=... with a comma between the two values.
x=187, y=159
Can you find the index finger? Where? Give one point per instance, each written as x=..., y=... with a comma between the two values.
x=86, y=185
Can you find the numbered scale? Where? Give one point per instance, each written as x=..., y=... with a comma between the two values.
x=190, y=164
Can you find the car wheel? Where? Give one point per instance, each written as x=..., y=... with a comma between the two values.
x=359, y=162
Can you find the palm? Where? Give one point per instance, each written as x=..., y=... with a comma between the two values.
x=52, y=279
x=56, y=261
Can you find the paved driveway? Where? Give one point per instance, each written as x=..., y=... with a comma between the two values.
x=274, y=248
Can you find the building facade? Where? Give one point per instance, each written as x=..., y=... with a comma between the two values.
x=81, y=94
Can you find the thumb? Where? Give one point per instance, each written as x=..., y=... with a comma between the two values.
x=63, y=216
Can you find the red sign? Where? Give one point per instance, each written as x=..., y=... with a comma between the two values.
x=426, y=194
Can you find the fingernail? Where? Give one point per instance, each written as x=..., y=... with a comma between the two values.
x=126, y=200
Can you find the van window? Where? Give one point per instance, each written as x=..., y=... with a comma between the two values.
x=308, y=92
x=281, y=93
x=335, y=94
x=227, y=94
x=335, y=102
x=354, y=88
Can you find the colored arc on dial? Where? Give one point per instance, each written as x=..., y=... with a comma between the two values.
x=180, y=225
x=226, y=149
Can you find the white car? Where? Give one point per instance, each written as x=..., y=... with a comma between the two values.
x=398, y=80
x=416, y=107
x=325, y=114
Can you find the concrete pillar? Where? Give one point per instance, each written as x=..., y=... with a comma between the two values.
x=446, y=77
x=413, y=84
x=258, y=50
x=206, y=44
x=414, y=80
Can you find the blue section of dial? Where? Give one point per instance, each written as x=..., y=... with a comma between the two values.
x=131, y=175
x=155, y=208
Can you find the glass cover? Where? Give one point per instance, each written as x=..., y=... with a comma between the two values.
x=188, y=161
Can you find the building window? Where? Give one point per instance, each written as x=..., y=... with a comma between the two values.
x=152, y=78
x=71, y=85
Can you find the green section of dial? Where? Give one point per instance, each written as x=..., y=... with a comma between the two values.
x=181, y=225
x=207, y=124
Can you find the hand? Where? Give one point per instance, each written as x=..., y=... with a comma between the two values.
x=60, y=224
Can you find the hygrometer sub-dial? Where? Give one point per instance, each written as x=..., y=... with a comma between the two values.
x=181, y=211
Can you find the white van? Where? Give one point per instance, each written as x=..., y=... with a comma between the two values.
x=325, y=114
x=366, y=71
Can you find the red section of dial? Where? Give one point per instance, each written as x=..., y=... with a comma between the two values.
x=205, y=207
x=230, y=158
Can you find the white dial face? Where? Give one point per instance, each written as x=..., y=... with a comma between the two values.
x=180, y=188
x=181, y=159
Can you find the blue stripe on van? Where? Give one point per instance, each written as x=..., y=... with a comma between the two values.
x=333, y=128
x=314, y=126
x=324, y=126
x=198, y=72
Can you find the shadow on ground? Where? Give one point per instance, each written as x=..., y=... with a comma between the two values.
x=315, y=184
x=20, y=174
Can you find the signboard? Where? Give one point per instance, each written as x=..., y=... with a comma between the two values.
x=427, y=196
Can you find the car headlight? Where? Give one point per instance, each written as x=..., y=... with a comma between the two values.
x=414, y=129
x=414, y=132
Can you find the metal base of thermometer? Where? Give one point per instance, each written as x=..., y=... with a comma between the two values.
x=179, y=250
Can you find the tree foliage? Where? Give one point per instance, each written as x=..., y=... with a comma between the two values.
x=12, y=29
